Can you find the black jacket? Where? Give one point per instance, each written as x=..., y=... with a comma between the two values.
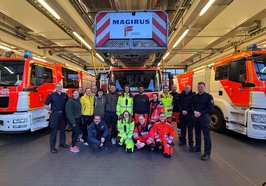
x=203, y=103
x=175, y=101
x=185, y=102
x=96, y=132
x=141, y=104
x=111, y=102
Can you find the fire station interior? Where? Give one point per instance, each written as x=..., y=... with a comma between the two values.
x=200, y=32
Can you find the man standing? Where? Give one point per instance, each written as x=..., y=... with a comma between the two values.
x=167, y=101
x=141, y=104
x=55, y=103
x=110, y=112
x=97, y=133
x=202, y=105
x=176, y=111
x=186, y=113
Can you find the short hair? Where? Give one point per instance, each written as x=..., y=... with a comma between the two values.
x=166, y=86
x=161, y=113
x=201, y=83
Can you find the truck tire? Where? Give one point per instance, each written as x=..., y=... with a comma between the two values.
x=217, y=122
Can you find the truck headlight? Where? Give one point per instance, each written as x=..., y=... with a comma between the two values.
x=16, y=121
x=259, y=127
x=258, y=118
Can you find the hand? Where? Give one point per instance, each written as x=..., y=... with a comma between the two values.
x=184, y=112
x=102, y=140
x=197, y=114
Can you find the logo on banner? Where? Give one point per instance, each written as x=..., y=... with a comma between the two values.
x=127, y=29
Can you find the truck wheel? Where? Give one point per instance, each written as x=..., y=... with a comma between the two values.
x=217, y=123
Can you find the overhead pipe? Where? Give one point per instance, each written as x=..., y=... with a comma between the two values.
x=57, y=46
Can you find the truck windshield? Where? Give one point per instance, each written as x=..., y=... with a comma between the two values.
x=260, y=67
x=150, y=79
x=11, y=72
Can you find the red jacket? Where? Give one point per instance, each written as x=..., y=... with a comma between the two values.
x=163, y=131
x=144, y=133
x=155, y=111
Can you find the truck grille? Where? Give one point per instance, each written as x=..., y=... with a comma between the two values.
x=4, y=102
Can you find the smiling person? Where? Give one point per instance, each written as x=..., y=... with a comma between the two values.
x=73, y=114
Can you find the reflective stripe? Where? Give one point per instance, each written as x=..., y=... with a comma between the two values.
x=171, y=137
x=144, y=133
x=169, y=141
x=136, y=135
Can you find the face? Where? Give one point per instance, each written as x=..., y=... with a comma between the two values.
x=141, y=90
x=75, y=94
x=127, y=89
x=201, y=88
x=165, y=89
x=80, y=90
x=141, y=120
x=88, y=92
x=154, y=97
x=174, y=88
x=187, y=88
x=58, y=87
x=162, y=117
x=94, y=89
x=126, y=114
x=100, y=93
x=112, y=89
x=97, y=120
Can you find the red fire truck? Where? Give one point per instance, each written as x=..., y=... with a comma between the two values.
x=24, y=86
x=238, y=85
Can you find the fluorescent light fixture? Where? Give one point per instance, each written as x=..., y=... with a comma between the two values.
x=98, y=55
x=264, y=45
x=206, y=7
x=40, y=59
x=49, y=9
x=82, y=40
x=159, y=64
x=11, y=72
x=180, y=38
x=167, y=54
x=5, y=48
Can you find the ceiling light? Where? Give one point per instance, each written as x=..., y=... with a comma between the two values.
x=164, y=57
x=82, y=40
x=180, y=38
x=49, y=9
x=98, y=55
x=40, y=59
x=206, y=7
x=159, y=64
x=5, y=48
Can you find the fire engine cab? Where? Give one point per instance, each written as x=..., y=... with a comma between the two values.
x=238, y=86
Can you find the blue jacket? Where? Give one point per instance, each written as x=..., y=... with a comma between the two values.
x=96, y=132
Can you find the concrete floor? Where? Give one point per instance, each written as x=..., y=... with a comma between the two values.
x=25, y=160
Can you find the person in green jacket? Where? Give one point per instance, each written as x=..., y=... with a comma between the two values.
x=125, y=131
x=167, y=101
x=125, y=102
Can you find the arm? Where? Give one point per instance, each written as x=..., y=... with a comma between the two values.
x=118, y=107
x=105, y=134
x=171, y=135
x=209, y=106
x=136, y=134
x=69, y=112
x=48, y=102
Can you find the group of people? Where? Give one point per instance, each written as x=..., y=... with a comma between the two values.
x=132, y=122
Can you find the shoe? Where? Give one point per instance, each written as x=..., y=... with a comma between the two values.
x=81, y=140
x=74, y=149
x=167, y=155
x=113, y=141
x=205, y=157
x=194, y=150
x=86, y=144
x=64, y=146
x=54, y=150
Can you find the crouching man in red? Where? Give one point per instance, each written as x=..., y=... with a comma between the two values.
x=143, y=134
x=164, y=135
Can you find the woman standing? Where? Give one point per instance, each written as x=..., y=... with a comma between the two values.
x=125, y=102
x=125, y=127
x=99, y=103
x=73, y=114
x=155, y=108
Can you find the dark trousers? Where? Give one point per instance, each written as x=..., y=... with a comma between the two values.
x=186, y=126
x=202, y=124
x=57, y=121
x=75, y=131
x=111, y=121
x=86, y=121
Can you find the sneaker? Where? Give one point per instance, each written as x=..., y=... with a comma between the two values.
x=74, y=149
x=113, y=141
x=81, y=140
x=205, y=157
x=86, y=143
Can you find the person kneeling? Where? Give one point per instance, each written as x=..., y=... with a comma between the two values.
x=164, y=135
x=97, y=133
x=125, y=131
x=143, y=134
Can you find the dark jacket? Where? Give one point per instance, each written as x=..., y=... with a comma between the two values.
x=203, y=103
x=111, y=102
x=175, y=101
x=141, y=104
x=99, y=105
x=73, y=110
x=96, y=132
x=185, y=102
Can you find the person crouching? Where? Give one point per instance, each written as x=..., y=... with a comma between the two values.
x=143, y=134
x=125, y=127
x=164, y=135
